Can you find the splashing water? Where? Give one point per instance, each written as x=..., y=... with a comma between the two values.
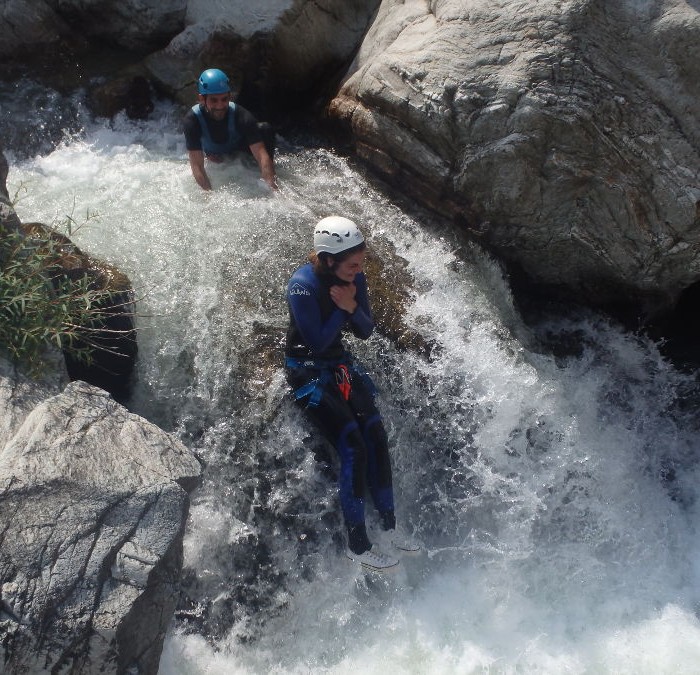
x=555, y=496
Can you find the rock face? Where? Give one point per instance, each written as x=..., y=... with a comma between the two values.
x=564, y=134
x=93, y=502
x=27, y=25
x=8, y=217
x=275, y=50
x=138, y=25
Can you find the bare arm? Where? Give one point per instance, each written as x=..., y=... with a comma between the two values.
x=267, y=167
x=197, y=166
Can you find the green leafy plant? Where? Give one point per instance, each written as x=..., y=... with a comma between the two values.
x=47, y=300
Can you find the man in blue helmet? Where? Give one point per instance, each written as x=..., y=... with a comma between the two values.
x=216, y=127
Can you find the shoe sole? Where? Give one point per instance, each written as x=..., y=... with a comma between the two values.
x=372, y=568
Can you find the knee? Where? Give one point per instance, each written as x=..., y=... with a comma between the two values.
x=376, y=436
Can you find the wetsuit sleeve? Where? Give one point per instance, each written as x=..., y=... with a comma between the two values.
x=305, y=308
x=361, y=319
x=192, y=131
x=247, y=126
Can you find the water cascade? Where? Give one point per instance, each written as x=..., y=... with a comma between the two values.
x=555, y=495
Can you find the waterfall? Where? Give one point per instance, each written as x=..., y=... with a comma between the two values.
x=555, y=494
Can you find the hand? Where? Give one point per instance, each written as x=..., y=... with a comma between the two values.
x=217, y=159
x=344, y=297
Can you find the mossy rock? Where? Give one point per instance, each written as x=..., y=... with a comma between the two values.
x=114, y=333
x=391, y=286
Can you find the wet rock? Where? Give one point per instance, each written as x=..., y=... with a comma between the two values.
x=131, y=93
x=137, y=25
x=112, y=332
x=392, y=288
x=19, y=395
x=8, y=217
x=93, y=502
x=273, y=52
x=563, y=135
x=29, y=24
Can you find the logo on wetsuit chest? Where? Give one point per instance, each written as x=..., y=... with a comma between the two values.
x=298, y=289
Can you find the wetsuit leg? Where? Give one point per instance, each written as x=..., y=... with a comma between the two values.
x=379, y=478
x=336, y=421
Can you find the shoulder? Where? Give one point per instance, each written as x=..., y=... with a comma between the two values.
x=190, y=121
x=243, y=113
x=245, y=119
x=192, y=112
x=361, y=279
x=303, y=282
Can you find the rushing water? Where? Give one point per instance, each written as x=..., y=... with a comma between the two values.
x=556, y=496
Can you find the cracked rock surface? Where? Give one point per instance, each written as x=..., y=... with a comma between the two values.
x=93, y=501
x=564, y=134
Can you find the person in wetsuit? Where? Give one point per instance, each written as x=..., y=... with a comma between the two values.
x=327, y=296
x=216, y=127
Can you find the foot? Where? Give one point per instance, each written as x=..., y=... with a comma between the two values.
x=400, y=541
x=374, y=559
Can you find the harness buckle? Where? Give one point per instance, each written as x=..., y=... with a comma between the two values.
x=343, y=380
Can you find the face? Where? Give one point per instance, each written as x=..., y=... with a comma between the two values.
x=352, y=265
x=216, y=105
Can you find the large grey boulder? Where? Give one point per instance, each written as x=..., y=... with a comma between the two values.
x=19, y=394
x=139, y=25
x=26, y=25
x=93, y=501
x=29, y=26
x=275, y=47
x=564, y=134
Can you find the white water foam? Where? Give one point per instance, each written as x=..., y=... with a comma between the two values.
x=555, y=541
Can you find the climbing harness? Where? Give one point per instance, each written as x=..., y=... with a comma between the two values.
x=329, y=372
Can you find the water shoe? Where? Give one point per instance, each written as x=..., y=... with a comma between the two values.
x=374, y=559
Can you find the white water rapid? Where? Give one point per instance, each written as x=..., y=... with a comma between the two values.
x=556, y=497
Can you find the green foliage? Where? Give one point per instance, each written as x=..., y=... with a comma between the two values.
x=43, y=305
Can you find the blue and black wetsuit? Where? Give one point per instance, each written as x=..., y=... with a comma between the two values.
x=354, y=426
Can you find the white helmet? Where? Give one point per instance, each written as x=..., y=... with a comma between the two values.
x=335, y=234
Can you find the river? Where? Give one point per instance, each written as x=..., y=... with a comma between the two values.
x=555, y=494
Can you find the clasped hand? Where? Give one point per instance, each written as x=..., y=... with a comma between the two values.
x=344, y=297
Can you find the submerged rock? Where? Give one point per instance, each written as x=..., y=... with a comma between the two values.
x=93, y=501
x=129, y=92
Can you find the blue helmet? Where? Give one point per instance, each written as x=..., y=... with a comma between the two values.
x=213, y=81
